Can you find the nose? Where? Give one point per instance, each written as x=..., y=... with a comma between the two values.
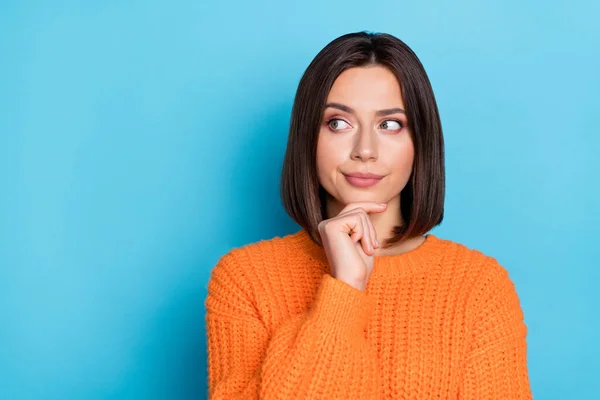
x=365, y=148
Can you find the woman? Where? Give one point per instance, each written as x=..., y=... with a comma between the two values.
x=360, y=303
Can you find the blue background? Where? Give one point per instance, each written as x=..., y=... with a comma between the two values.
x=141, y=140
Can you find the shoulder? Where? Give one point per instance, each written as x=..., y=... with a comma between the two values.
x=247, y=260
x=260, y=271
x=261, y=250
x=482, y=275
x=472, y=260
x=489, y=282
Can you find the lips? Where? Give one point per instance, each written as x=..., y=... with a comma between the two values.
x=364, y=175
x=362, y=180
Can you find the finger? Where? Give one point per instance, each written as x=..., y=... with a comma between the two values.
x=373, y=233
x=367, y=206
x=366, y=240
x=358, y=230
x=350, y=226
x=355, y=235
x=369, y=230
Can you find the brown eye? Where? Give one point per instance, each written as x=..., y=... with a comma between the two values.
x=336, y=124
x=392, y=124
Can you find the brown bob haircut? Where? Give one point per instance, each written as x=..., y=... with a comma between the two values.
x=422, y=199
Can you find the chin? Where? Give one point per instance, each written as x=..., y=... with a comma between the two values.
x=354, y=198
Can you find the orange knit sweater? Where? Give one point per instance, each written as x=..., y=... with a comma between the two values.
x=439, y=322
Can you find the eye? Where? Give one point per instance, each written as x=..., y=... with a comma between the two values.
x=392, y=124
x=337, y=124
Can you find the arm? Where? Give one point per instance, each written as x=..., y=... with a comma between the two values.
x=319, y=354
x=496, y=366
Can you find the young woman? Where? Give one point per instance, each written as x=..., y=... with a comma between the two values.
x=361, y=303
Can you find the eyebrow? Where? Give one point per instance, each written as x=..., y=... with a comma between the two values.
x=379, y=113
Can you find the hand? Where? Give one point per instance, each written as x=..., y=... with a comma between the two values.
x=351, y=261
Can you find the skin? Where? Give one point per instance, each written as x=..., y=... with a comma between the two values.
x=361, y=140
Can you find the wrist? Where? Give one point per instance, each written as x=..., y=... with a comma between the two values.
x=355, y=282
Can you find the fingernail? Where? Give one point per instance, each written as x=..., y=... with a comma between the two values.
x=377, y=242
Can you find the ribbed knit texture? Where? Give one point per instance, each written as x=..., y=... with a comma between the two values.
x=439, y=322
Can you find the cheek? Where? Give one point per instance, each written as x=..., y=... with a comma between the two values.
x=407, y=157
x=402, y=158
x=327, y=156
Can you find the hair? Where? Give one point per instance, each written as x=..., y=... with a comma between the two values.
x=422, y=199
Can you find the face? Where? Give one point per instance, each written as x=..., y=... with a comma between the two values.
x=364, y=131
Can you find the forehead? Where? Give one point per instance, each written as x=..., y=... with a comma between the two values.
x=372, y=87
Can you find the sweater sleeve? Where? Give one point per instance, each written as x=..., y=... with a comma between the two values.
x=496, y=366
x=319, y=354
